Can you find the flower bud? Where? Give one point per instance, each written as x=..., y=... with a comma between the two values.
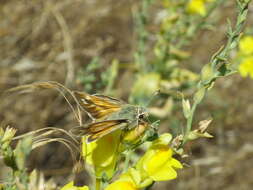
x=134, y=134
x=8, y=134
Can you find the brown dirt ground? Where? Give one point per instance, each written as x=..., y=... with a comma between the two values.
x=51, y=40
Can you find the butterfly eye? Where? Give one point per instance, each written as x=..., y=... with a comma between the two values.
x=142, y=115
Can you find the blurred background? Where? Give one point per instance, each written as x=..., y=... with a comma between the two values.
x=116, y=47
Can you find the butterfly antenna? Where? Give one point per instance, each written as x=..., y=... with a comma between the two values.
x=157, y=92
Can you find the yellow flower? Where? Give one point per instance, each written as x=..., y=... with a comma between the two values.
x=246, y=45
x=130, y=180
x=127, y=181
x=124, y=185
x=132, y=136
x=70, y=186
x=196, y=7
x=158, y=163
x=246, y=67
x=103, y=153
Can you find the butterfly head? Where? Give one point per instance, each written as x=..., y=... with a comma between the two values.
x=142, y=112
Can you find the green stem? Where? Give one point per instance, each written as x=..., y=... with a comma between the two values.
x=98, y=184
x=189, y=123
x=127, y=161
x=233, y=35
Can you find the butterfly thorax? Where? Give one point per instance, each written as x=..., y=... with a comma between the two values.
x=128, y=112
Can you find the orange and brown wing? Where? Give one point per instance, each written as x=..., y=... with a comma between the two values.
x=100, y=129
x=98, y=106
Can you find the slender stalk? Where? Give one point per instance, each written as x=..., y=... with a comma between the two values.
x=189, y=123
x=98, y=184
x=127, y=161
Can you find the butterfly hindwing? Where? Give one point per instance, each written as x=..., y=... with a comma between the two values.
x=100, y=129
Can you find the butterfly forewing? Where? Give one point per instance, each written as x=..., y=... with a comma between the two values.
x=98, y=106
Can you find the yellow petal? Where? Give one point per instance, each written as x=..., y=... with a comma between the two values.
x=121, y=185
x=144, y=159
x=246, y=45
x=103, y=153
x=175, y=163
x=87, y=149
x=246, y=67
x=157, y=162
x=108, y=170
x=145, y=182
x=164, y=139
x=243, y=70
x=134, y=177
x=105, y=150
x=196, y=7
x=70, y=186
x=165, y=173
